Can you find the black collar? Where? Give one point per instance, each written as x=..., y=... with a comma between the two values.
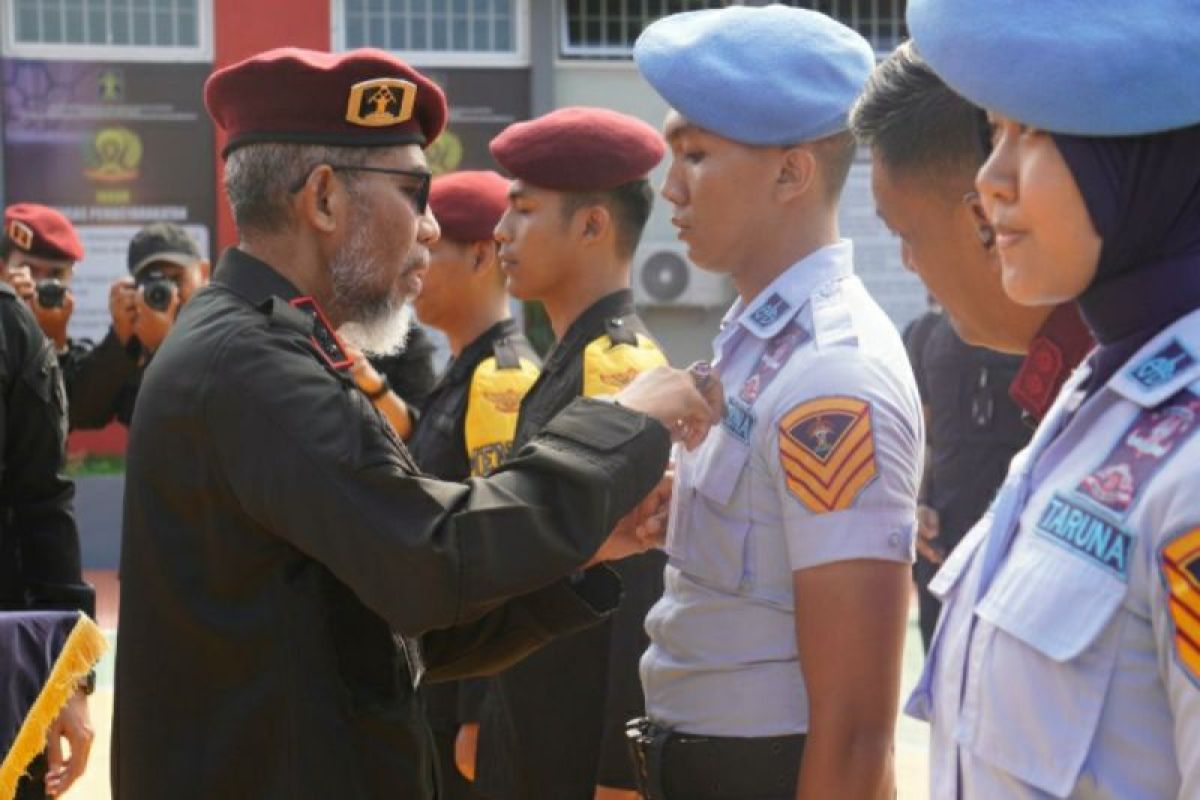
x=253, y=280
x=479, y=349
x=590, y=325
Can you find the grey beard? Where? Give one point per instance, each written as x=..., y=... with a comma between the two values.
x=382, y=335
x=374, y=323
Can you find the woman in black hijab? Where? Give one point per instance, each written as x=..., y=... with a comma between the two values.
x=1067, y=661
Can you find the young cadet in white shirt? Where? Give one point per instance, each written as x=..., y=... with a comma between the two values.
x=1067, y=661
x=775, y=659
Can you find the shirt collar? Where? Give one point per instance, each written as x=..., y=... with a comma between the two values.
x=782, y=299
x=1163, y=366
x=590, y=324
x=253, y=280
x=479, y=349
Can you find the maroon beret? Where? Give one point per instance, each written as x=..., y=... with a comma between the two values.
x=363, y=98
x=468, y=204
x=42, y=231
x=579, y=150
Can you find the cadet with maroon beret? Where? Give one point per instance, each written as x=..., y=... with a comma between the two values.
x=282, y=553
x=553, y=725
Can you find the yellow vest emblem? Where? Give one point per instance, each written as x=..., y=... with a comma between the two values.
x=493, y=405
x=608, y=368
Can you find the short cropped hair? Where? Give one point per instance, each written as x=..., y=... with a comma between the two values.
x=912, y=120
x=629, y=204
x=260, y=177
x=835, y=154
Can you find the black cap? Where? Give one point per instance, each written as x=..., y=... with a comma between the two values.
x=162, y=241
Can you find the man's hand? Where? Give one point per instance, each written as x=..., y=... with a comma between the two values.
x=466, y=747
x=642, y=528
x=671, y=396
x=122, y=306
x=929, y=527
x=21, y=280
x=150, y=325
x=74, y=724
x=53, y=321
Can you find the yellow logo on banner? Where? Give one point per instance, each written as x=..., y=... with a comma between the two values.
x=115, y=156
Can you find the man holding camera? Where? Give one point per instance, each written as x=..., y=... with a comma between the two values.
x=166, y=269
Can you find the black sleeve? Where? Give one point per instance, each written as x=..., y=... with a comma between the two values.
x=503, y=637
x=36, y=489
x=422, y=554
x=102, y=382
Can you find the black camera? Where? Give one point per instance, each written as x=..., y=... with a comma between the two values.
x=157, y=289
x=51, y=293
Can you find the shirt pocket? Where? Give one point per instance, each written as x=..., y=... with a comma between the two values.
x=710, y=542
x=1049, y=636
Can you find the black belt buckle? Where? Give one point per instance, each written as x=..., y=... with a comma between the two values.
x=646, y=741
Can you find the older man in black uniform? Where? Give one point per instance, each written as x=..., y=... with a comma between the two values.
x=39, y=545
x=553, y=726
x=281, y=553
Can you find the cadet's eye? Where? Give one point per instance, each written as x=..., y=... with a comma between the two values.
x=693, y=156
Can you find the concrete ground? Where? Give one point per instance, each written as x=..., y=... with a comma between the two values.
x=912, y=737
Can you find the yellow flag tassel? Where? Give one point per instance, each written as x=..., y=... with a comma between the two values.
x=82, y=650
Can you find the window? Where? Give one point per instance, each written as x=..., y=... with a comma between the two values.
x=607, y=29
x=436, y=32
x=108, y=29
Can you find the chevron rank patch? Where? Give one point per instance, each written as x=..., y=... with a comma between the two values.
x=1180, y=565
x=827, y=450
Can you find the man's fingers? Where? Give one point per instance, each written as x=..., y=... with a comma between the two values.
x=929, y=552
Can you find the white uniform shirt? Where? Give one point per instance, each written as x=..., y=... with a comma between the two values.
x=818, y=460
x=1067, y=661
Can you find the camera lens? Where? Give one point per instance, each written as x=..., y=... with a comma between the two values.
x=51, y=293
x=158, y=294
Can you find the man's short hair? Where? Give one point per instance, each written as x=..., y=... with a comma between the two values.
x=260, y=178
x=835, y=154
x=629, y=204
x=913, y=121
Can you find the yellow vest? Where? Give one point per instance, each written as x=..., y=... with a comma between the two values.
x=493, y=405
x=608, y=367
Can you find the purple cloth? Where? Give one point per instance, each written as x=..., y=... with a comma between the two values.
x=1143, y=196
x=30, y=642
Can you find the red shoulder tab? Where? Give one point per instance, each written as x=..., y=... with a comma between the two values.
x=324, y=338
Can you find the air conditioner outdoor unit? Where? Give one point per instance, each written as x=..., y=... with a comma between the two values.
x=663, y=276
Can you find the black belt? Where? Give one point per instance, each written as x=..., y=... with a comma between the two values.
x=681, y=766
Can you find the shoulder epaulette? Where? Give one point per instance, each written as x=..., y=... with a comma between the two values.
x=304, y=316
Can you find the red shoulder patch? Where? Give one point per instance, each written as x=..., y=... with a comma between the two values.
x=1180, y=566
x=827, y=450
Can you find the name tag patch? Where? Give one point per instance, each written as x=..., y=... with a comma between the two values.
x=739, y=419
x=1086, y=533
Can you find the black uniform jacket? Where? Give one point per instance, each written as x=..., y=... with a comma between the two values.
x=39, y=545
x=102, y=380
x=439, y=446
x=277, y=535
x=554, y=725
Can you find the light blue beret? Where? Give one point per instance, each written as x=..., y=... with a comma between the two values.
x=759, y=76
x=1084, y=67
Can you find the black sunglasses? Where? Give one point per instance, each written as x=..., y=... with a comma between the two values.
x=419, y=194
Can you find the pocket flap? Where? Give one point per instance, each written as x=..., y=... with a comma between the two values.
x=1052, y=600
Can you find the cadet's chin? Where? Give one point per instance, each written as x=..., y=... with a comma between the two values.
x=383, y=335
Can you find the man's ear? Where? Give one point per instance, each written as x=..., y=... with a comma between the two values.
x=321, y=199
x=597, y=223
x=483, y=255
x=797, y=172
x=983, y=226
x=204, y=268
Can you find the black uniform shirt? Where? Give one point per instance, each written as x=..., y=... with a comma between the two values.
x=102, y=380
x=39, y=545
x=554, y=725
x=276, y=539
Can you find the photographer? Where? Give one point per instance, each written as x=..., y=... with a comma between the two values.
x=165, y=268
x=38, y=252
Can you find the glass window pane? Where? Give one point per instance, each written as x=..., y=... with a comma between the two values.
x=354, y=30
x=458, y=40
x=439, y=34
x=75, y=32
x=141, y=28
x=418, y=33
x=503, y=33
x=164, y=30
x=482, y=35
x=27, y=23
x=97, y=28
x=52, y=29
x=189, y=35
